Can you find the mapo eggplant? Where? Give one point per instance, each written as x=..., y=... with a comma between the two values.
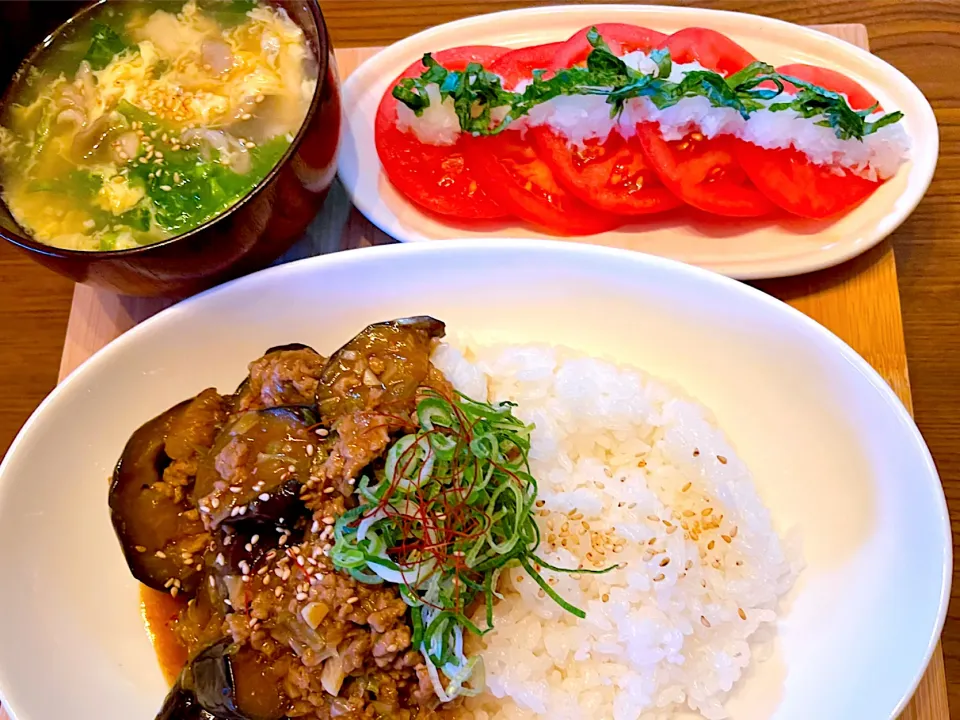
x=285, y=376
x=256, y=467
x=228, y=683
x=159, y=529
x=380, y=368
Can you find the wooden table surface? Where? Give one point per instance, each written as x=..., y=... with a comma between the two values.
x=920, y=38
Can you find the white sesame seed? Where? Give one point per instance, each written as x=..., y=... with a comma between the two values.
x=248, y=547
x=213, y=582
x=243, y=510
x=309, y=450
x=264, y=497
x=322, y=432
x=315, y=527
x=301, y=596
x=160, y=554
x=245, y=578
x=255, y=539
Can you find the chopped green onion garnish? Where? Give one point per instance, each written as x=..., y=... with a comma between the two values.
x=452, y=508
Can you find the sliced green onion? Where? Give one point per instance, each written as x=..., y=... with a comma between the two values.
x=452, y=507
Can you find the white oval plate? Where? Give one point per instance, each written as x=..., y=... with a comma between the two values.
x=743, y=249
x=835, y=455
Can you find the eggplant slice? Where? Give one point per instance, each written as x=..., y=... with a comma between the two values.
x=285, y=376
x=227, y=683
x=380, y=368
x=159, y=528
x=256, y=467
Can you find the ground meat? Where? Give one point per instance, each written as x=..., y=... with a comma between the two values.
x=435, y=380
x=361, y=438
x=285, y=377
x=192, y=432
x=232, y=462
x=347, y=644
x=337, y=647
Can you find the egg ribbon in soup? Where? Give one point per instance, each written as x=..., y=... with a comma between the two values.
x=144, y=123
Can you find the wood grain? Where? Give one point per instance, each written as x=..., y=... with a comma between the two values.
x=921, y=38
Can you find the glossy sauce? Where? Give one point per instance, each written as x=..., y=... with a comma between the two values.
x=159, y=610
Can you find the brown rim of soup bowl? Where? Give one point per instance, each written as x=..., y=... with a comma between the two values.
x=247, y=236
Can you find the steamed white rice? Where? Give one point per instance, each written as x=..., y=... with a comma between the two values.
x=630, y=471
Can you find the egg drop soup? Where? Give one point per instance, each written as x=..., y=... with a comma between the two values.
x=142, y=121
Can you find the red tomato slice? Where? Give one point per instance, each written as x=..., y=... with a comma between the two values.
x=613, y=176
x=621, y=38
x=858, y=97
x=789, y=179
x=437, y=178
x=715, y=51
x=518, y=65
x=703, y=173
x=525, y=185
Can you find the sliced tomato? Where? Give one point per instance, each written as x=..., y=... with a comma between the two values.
x=518, y=65
x=703, y=173
x=858, y=97
x=621, y=38
x=613, y=176
x=525, y=185
x=715, y=51
x=789, y=179
x=438, y=178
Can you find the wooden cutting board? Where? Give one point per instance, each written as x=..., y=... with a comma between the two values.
x=859, y=301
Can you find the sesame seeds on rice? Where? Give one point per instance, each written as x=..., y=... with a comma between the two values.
x=634, y=474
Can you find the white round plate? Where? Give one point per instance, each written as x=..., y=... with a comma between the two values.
x=743, y=249
x=836, y=457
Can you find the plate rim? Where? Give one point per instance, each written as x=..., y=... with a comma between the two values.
x=331, y=261
x=921, y=169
